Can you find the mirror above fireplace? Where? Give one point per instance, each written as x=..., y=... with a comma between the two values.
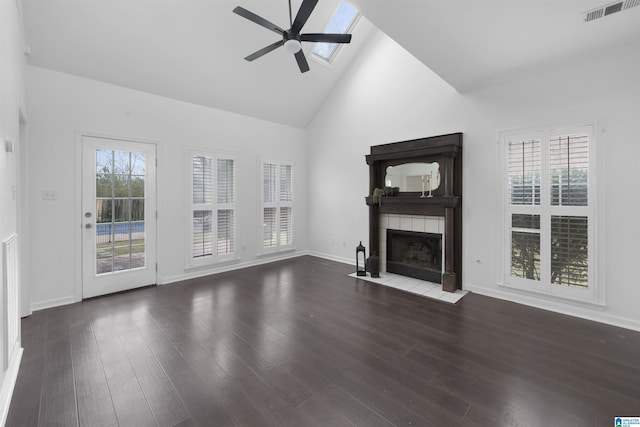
x=413, y=176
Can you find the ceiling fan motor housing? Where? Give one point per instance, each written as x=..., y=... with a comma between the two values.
x=292, y=42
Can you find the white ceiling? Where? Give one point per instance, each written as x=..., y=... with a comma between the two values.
x=475, y=43
x=193, y=50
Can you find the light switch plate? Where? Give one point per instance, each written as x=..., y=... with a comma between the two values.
x=49, y=195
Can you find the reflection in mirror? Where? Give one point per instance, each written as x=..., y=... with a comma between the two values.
x=413, y=176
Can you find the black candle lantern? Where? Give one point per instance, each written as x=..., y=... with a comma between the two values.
x=373, y=265
x=361, y=256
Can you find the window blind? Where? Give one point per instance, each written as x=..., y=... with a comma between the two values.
x=226, y=232
x=569, y=169
x=525, y=255
x=286, y=226
x=525, y=246
x=570, y=250
x=225, y=181
x=202, y=179
x=269, y=182
x=213, y=213
x=524, y=170
x=550, y=230
x=270, y=237
x=277, y=204
x=202, y=233
x=286, y=192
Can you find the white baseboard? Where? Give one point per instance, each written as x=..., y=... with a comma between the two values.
x=596, y=314
x=55, y=302
x=8, y=384
x=207, y=271
x=333, y=258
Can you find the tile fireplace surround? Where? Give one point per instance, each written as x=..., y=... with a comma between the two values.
x=419, y=223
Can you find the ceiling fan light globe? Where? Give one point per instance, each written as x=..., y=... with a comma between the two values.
x=292, y=46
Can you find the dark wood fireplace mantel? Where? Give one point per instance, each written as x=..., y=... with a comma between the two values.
x=446, y=200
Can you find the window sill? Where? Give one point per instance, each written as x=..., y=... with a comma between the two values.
x=554, y=296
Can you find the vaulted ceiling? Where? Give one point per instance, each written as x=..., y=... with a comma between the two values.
x=193, y=50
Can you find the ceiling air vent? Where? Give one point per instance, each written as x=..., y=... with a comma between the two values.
x=609, y=9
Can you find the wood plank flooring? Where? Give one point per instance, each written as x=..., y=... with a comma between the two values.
x=298, y=343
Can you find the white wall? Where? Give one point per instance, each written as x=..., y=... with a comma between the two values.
x=388, y=96
x=12, y=100
x=64, y=105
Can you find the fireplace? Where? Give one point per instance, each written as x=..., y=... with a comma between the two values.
x=437, y=199
x=415, y=254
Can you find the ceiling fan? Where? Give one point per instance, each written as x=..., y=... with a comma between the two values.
x=291, y=38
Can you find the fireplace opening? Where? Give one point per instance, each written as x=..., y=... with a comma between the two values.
x=415, y=254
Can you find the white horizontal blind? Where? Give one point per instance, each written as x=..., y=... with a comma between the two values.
x=202, y=180
x=209, y=208
x=269, y=182
x=525, y=246
x=226, y=206
x=202, y=233
x=226, y=231
x=570, y=250
x=225, y=181
x=277, y=204
x=549, y=213
x=286, y=226
x=270, y=235
x=524, y=169
x=569, y=169
x=286, y=190
x=202, y=206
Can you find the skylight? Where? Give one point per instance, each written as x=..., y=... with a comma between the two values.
x=340, y=23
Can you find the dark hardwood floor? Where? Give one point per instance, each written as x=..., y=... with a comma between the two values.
x=298, y=343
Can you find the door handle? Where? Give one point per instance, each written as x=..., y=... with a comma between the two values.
x=87, y=226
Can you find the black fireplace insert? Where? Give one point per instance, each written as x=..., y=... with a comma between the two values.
x=415, y=254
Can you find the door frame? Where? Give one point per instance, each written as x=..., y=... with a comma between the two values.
x=22, y=200
x=78, y=218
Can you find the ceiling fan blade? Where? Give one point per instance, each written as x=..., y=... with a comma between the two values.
x=257, y=19
x=326, y=38
x=303, y=14
x=302, y=61
x=264, y=50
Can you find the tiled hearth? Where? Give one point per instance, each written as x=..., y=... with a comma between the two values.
x=420, y=223
x=415, y=286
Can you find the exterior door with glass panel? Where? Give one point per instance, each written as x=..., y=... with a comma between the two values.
x=118, y=215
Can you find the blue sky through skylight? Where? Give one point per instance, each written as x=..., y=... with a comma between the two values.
x=340, y=23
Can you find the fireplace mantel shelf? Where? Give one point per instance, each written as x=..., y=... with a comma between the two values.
x=444, y=201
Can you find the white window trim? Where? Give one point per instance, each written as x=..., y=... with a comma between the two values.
x=214, y=258
x=277, y=204
x=594, y=294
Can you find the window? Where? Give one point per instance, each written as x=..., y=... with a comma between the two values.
x=277, y=205
x=550, y=212
x=212, y=208
x=342, y=22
